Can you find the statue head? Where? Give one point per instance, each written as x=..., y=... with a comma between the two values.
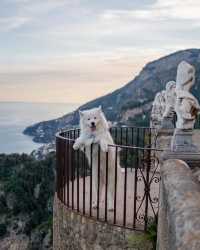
x=170, y=85
x=170, y=92
x=157, y=99
x=185, y=77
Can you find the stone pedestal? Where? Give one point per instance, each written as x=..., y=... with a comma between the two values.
x=183, y=148
x=192, y=159
x=167, y=123
x=182, y=142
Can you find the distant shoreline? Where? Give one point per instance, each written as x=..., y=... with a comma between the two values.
x=16, y=116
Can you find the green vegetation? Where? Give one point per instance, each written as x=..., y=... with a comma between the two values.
x=3, y=229
x=139, y=242
x=26, y=194
x=141, y=120
x=152, y=233
x=132, y=104
x=145, y=240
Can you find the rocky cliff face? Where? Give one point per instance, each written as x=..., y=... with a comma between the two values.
x=129, y=104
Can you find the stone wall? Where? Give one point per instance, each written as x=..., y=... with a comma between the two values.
x=179, y=215
x=179, y=202
x=76, y=232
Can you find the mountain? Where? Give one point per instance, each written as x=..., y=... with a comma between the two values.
x=130, y=104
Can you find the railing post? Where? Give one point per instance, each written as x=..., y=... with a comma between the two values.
x=125, y=189
x=77, y=179
x=58, y=166
x=106, y=188
x=68, y=170
x=135, y=181
x=91, y=164
x=84, y=170
x=115, y=193
x=147, y=184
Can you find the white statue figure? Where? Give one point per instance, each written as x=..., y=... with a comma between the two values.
x=162, y=102
x=187, y=106
x=158, y=110
x=170, y=99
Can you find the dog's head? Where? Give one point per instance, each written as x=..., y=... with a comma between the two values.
x=93, y=119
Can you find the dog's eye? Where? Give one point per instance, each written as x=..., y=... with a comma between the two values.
x=95, y=118
x=88, y=119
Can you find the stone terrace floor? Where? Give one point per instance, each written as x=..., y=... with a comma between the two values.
x=140, y=206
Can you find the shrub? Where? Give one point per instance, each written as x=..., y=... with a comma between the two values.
x=146, y=240
x=3, y=229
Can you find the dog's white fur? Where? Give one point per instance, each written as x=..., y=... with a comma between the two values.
x=97, y=135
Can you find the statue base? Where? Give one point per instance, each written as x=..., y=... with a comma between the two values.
x=192, y=159
x=182, y=142
x=167, y=123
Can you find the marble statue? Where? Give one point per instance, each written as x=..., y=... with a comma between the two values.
x=170, y=99
x=158, y=109
x=163, y=102
x=187, y=106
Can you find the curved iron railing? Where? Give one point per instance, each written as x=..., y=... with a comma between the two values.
x=127, y=177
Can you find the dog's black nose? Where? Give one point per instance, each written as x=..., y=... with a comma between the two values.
x=93, y=124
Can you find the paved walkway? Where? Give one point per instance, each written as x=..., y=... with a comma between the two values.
x=141, y=203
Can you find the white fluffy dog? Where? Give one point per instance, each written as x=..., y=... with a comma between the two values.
x=95, y=130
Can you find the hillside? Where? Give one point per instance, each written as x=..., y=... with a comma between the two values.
x=129, y=103
x=26, y=202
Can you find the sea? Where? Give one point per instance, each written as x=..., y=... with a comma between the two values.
x=16, y=116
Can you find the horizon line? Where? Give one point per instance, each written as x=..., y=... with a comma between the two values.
x=35, y=102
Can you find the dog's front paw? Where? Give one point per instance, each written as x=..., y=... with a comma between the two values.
x=76, y=145
x=104, y=146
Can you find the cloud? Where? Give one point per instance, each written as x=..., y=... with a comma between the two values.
x=160, y=10
x=15, y=14
x=12, y=23
x=37, y=7
x=65, y=79
x=81, y=43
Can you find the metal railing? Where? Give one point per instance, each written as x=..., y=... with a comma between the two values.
x=119, y=187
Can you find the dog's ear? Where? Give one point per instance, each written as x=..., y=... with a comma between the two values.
x=81, y=113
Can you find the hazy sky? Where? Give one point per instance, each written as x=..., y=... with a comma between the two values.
x=76, y=50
